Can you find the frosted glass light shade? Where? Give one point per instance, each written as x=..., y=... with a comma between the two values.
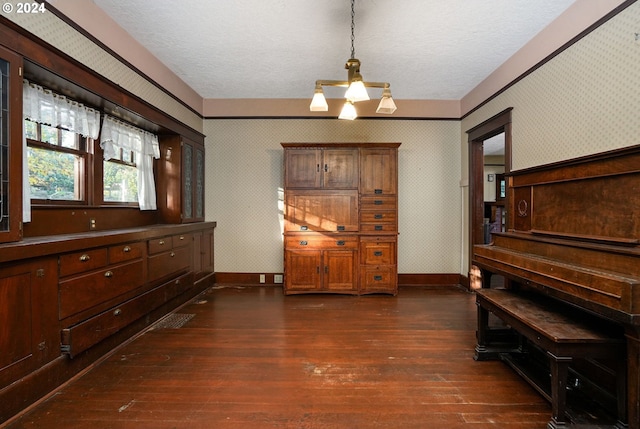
x=386, y=105
x=356, y=92
x=318, y=103
x=348, y=111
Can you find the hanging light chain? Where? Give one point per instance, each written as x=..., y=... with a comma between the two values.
x=353, y=37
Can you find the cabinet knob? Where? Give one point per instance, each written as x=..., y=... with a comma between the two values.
x=117, y=312
x=126, y=249
x=84, y=258
x=108, y=274
x=181, y=237
x=172, y=254
x=161, y=242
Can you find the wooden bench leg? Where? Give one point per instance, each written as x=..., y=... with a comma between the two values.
x=481, y=334
x=559, y=372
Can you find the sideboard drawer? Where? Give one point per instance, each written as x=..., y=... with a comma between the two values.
x=181, y=240
x=172, y=261
x=83, y=335
x=80, y=262
x=85, y=291
x=126, y=252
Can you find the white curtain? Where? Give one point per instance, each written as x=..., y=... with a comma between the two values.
x=46, y=107
x=116, y=135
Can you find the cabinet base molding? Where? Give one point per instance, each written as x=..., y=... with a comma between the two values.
x=404, y=280
x=431, y=279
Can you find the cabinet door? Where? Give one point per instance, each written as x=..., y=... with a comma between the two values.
x=302, y=272
x=321, y=211
x=302, y=168
x=10, y=146
x=340, y=272
x=29, y=335
x=378, y=171
x=340, y=168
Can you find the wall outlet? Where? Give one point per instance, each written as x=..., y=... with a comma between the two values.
x=262, y=278
x=277, y=278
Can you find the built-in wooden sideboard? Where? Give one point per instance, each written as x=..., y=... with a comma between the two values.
x=341, y=218
x=67, y=300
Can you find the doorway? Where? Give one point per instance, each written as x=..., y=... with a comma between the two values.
x=499, y=124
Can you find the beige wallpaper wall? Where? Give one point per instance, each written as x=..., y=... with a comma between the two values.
x=49, y=27
x=244, y=188
x=585, y=100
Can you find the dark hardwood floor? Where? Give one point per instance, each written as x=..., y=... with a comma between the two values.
x=249, y=358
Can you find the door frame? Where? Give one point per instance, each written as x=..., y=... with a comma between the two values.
x=500, y=123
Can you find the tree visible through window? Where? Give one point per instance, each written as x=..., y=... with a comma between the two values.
x=120, y=178
x=57, y=159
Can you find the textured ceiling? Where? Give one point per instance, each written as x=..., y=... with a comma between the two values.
x=426, y=49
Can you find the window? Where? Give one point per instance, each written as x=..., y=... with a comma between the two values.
x=57, y=160
x=120, y=178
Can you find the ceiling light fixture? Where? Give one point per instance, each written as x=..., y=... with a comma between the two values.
x=356, y=86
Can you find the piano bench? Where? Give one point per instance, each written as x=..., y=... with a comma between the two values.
x=561, y=331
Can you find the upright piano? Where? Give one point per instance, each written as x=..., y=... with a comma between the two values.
x=573, y=234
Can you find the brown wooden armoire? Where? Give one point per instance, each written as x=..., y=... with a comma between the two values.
x=341, y=218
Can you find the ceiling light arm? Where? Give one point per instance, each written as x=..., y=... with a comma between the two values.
x=345, y=84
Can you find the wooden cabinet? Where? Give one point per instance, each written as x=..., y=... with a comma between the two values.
x=321, y=263
x=10, y=146
x=341, y=218
x=330, y=168
x=181, y=164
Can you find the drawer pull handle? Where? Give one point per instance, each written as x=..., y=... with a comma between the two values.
x=117, y=312
x=84, y=258
x=378, y=202
x=377, y=253
x=340, y=243
x=378, y=227
x=182, y=237
x=108, y=274
x=377, y=278
x=378, y=216
x=377, y=191
x=172, y=254
x=303, y=243
x=304, y=228
x=126, y=249
x=161, y=242
x=340, y=227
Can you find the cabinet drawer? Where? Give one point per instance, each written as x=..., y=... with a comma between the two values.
x=80, y=337
x=181, y=240
x=166, y=263
x=388, y=202
x=378, y=217
x=315, y=242
x=86, y=291
x=382, y=253
x=378, y=278
x=378, y=227
x=158, y=245
x=177, y=286
x=125, y=252
x=80, y=262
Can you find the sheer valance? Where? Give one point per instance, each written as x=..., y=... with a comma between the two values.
x=46, y=107
x=116, y=135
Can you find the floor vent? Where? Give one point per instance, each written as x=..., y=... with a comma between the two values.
x=173, y=321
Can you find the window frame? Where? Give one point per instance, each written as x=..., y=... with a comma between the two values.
x=84, y=152
x=99, y=190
